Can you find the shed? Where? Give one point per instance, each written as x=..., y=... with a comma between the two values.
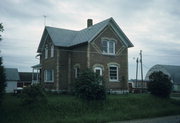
x=12, y=78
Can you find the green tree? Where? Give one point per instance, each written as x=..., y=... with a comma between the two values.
x=2, y=74
x=160, y=84
x=1, y=30
x=88, y=87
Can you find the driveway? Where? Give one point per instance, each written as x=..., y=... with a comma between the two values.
x=168, y=119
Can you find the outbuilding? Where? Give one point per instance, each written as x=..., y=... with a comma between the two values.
x=12, y=78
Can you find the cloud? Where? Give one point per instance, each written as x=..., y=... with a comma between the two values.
x=152, y=25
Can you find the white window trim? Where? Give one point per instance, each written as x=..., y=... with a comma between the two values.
x=46, y=52
x=114, y=80
x=108, y=52
x=52, y=50
x=98, y=68
x=76, y=71
x=45, y=76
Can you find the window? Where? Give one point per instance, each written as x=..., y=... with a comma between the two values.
x=98, y=70
x=49, y=75
x=113, y=73
x=77, y=72
x=108, y=47
x=46, y=52
x=52, y=50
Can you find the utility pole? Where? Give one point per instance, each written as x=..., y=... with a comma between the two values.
x=137, y=62
x=141, y=69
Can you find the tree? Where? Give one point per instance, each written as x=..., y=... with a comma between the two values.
x=160, y=84
x=1, y=30
x=2, y=74
x=2, y=81
x=88, y=87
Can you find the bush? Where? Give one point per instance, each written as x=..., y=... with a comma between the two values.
x=34, y=94
x=87, y=86
x=160, y=84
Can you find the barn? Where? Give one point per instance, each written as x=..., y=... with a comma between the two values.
x=171, y=70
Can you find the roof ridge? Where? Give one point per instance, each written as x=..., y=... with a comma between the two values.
x=61, y=28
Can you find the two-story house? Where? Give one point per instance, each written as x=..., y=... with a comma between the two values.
x=102, y=47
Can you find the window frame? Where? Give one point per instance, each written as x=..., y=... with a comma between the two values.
x=76, y=72
x=117, y=73
x=46, y=76
x=108, y=47
x=98, y=68
x=52, y=50
x=46, y=52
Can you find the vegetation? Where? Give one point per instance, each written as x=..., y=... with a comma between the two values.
x=69, y=109
x=2, y=74
x=33, y=94
x=160, y=84
x=87, y=86
x=1, y=30
x=2, y=81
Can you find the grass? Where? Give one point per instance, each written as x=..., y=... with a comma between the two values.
x=68, y=109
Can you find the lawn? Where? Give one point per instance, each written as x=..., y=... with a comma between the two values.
x=68, y=109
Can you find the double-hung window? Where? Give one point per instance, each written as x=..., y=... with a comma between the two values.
x=46, y=52
x=108, y=47
x=77, y=72
x=52, y=50
x=49, y=76
x=113, y=73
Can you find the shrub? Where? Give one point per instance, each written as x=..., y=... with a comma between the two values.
x=33, y=94
x=87, y=86
x=160, y=84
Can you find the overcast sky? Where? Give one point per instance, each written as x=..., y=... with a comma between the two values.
x=153, y=26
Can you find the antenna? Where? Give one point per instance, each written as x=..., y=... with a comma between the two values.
x=44, y=19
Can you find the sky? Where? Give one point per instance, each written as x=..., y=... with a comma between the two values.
x=153, y=26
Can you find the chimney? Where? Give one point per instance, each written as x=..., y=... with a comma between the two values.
x=89, y=22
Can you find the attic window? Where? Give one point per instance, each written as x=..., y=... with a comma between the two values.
x=108, y=47
x=52, y=50
x=46, y=52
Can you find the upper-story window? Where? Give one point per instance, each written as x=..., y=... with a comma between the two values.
x=52, y=50
x=46, y=52
x=108, y=47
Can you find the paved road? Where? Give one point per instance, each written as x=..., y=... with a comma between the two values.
x=168, y=119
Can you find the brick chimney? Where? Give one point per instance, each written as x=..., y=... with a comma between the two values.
x=89, y=22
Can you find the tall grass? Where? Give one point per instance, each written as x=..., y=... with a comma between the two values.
x=68, y=109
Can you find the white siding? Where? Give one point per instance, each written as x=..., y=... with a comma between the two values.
x=11, y=85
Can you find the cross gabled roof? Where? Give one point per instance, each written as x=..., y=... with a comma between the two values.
x=67, y=38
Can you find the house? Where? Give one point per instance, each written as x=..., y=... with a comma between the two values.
x=64, y=53
x=171, y=70
x=25, y=79
x=12, y=78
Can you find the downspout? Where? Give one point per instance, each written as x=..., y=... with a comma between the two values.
x=57, y=70
x=88, y=55
x=69, y=70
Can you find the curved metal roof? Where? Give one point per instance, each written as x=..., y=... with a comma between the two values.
x=171, y=70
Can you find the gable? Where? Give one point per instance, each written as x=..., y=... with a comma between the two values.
x=108, y=34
